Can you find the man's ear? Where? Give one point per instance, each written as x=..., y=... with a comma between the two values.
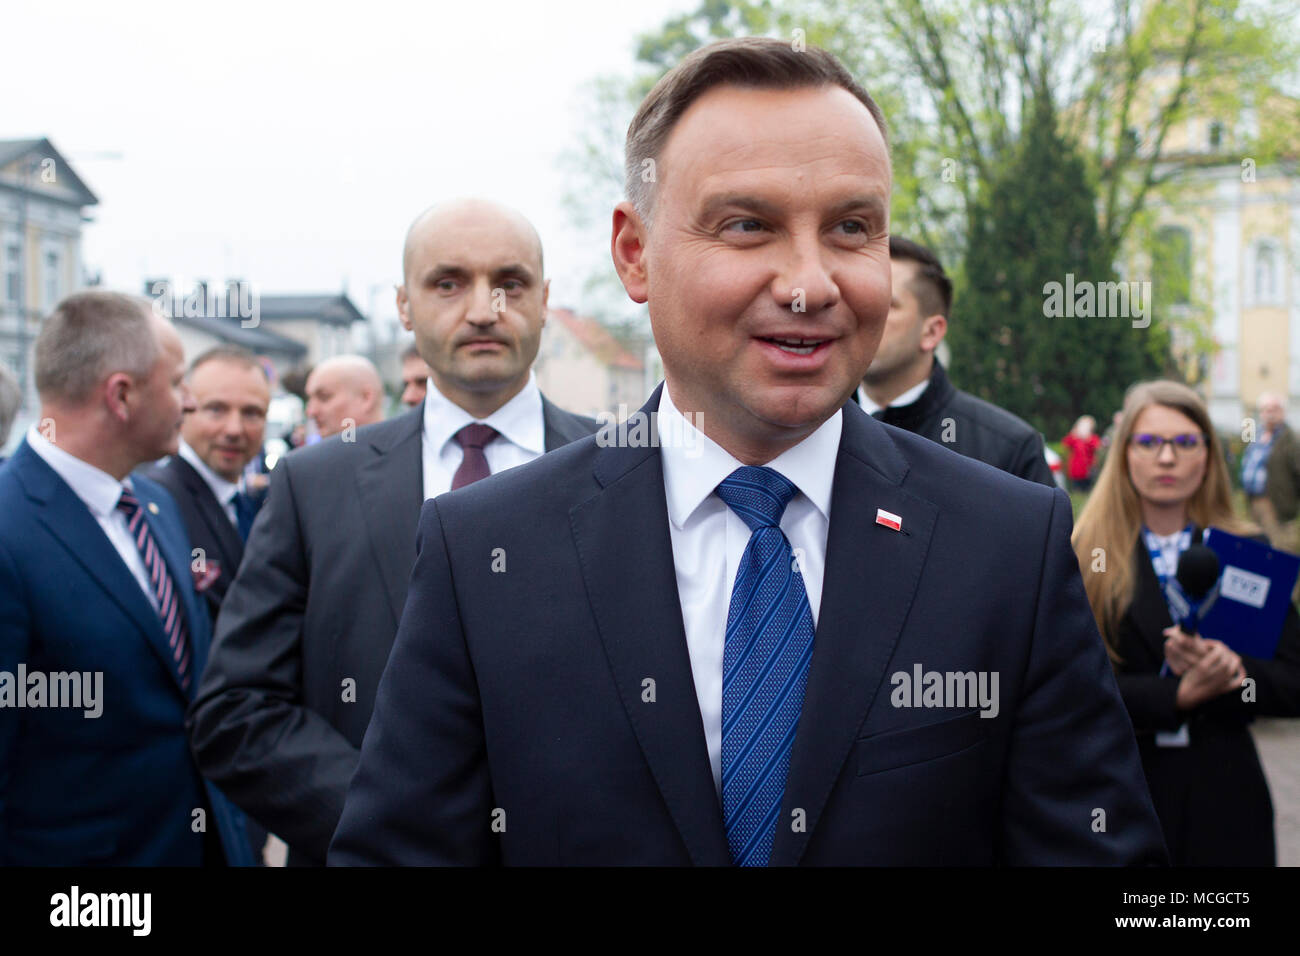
x=546, y=296
x=116, y=390
x=403, y=304
x=627, y=247
x=933, y=329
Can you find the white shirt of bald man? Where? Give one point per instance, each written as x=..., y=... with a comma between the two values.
x=519, y=424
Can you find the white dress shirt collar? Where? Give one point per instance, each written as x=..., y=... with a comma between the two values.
x=98, y=489
x=907, y=398
x=222, y=490
x=696, y=465
x=519, y=420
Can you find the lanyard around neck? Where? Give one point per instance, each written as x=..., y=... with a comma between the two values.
x=1158, y=562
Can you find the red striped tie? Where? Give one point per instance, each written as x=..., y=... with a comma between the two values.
x=160, y=579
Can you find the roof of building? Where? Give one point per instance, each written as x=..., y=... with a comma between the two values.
x=335, y=309
x=597, y=339
x=13, y=149
x=257, y=340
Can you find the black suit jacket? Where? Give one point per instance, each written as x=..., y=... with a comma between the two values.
x=513, y=723
x=207, y=523
x=973, y=427
x=1211, y=796
x=306, y=628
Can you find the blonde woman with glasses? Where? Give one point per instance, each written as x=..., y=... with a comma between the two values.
x=1164, y=483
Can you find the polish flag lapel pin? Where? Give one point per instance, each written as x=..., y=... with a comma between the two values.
x=889, y=519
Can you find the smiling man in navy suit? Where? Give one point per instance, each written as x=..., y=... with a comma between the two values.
x=102, y=637
x=764, y=629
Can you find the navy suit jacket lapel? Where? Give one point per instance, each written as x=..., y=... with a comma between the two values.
x=69, y=521
x=872, y=573
x=625, y=551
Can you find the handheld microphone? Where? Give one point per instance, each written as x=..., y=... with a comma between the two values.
x=1195, y=587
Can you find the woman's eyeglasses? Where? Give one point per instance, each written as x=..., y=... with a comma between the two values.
x=1152, y=444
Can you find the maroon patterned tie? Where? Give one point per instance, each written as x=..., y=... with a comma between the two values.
x=160, y=579
x=474, y=464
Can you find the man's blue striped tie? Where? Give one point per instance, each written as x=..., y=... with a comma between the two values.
x=769, y=643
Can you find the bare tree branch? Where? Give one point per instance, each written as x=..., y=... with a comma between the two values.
x=1168, y=114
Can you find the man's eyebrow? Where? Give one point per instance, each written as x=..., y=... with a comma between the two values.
x=713, y=205
x=874, y=205
x=443, y=270
x=515, y=270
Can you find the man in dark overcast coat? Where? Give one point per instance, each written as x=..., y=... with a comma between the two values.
x=305, y=630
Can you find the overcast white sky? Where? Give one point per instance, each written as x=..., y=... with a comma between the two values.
x=292, y=144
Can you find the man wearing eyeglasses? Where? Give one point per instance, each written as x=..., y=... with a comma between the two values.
x=220, y=437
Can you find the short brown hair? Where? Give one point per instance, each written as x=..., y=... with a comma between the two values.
x=931, y=285
x=752, y=62
x=227, y=353
x=90, y=336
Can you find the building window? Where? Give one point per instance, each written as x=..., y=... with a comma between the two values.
x=52, y=284
x=1216, y=135
x=13, y=273
x=1266, y=276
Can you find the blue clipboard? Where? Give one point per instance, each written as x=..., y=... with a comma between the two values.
x=1255, y=585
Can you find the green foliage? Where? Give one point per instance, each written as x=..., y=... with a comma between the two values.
x=714, y=20
x=1036, y=224
x=957, y=78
